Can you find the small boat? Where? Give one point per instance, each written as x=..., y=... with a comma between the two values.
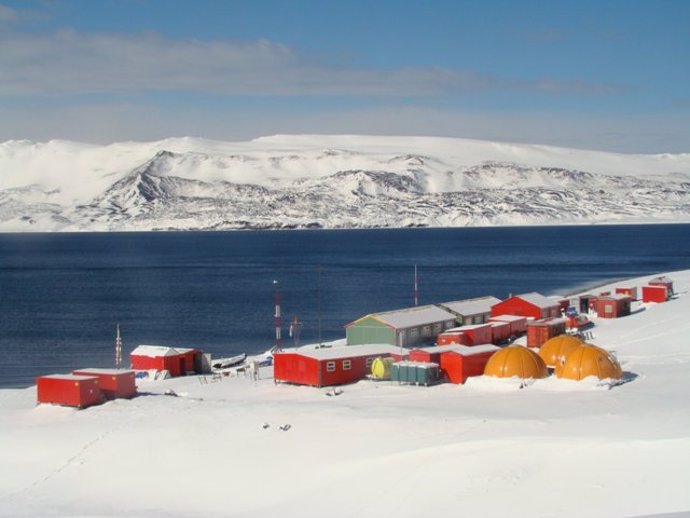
x=224, y=363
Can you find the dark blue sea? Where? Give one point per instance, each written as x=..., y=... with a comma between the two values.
x=61, y=295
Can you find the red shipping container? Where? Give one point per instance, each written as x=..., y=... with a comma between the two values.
x=462, y=362
x=114, y=383
x=431, y=354
x=539, y=331
x=629, y=291
x=500, y=332
x=68, y=390
x=654, y=294
x=475, y=334
x=452, y=338
x=614, y=306
x=518, y=324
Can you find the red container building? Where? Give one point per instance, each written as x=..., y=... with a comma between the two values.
x=663, y=281
x=114, y=383
x=178, y=362
x=613, y=306
x=451, y=337
x=539, y=331
x=462, y=362
x=432, y=354
x=500, y=332
x=68, y=390
x=518, y=324
x=630, y=291
x=474, y=334
x=331, y=365
x=654, y=294
x=532, y=305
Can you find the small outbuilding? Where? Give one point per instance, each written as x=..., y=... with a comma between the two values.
x=630, y=291
x=655, y=293
x=329, y=365
x=587, y=302
x=556, y=349
x=114, y=383
x=518, y=324
x=68, y=390
x=177, y=361
x=663, y=281
x=408, y=327
x=516, y=361
x=613, y=306
x=539, y=331
x=462, y=362
x=531, y=304
x=589, y=360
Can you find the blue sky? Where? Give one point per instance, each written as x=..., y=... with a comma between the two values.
x=607, y=74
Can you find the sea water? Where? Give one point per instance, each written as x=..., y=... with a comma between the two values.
x=61, y=295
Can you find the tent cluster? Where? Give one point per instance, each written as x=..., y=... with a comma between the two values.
x=568, y=356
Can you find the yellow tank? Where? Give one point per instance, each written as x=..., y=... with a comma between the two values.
x=516, y=361
x=589, y=360
x=556, y=349
x=381, y=368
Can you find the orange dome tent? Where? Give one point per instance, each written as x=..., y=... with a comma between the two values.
x=558, y=347
x=589, y=360
x=516, y=361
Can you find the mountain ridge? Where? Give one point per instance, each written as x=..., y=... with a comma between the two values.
x=330, y=182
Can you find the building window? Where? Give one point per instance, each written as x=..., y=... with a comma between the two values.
x=347, y=365
x=477, y=320
x=438, y=328
x=330, y=367
x=370, y=361
x=426, y=331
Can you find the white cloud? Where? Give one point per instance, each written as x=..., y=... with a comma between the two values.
x=74, y=63
x=68, y=62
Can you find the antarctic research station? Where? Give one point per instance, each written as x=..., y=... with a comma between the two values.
x=527, y=336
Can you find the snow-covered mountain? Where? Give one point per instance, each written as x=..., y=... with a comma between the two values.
x=330, y=182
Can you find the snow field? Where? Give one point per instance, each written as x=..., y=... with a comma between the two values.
x=487, y=448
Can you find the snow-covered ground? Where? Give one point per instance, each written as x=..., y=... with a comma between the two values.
x=487, y=448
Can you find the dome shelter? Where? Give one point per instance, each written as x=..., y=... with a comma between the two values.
x=516, y=361
x=589, y=360
x=558, y=347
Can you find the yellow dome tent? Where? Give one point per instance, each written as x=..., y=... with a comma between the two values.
x=516, y=361
x=381, y=368
x=558, y=347
x=589, y=360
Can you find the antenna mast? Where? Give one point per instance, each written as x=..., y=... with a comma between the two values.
x=276, y=299
x=118, y=347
